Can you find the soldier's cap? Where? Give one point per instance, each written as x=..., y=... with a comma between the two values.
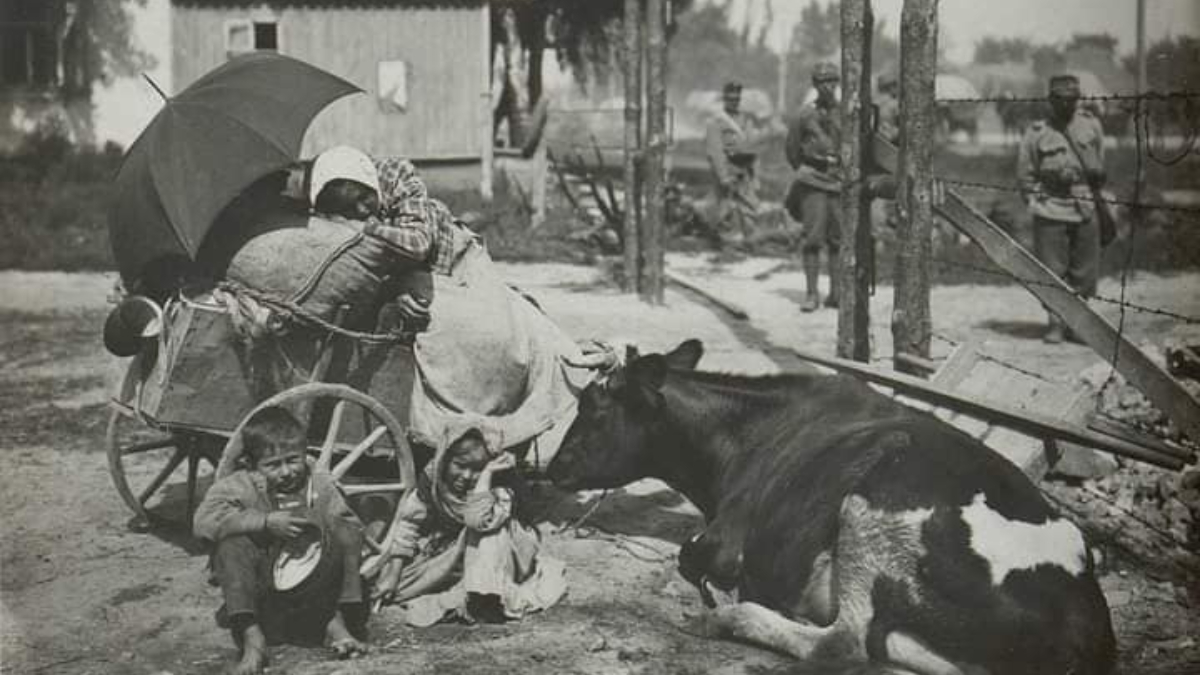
x=1064, y=86
x=731, y=89
x=887, y=79
x=825, y=72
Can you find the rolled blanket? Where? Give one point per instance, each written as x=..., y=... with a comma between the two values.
x=317, y=263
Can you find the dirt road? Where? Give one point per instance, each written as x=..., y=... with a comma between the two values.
x=79, y=593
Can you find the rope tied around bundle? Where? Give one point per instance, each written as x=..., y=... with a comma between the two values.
x=257, y=313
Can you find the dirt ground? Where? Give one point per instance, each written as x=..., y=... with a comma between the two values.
x=80, y=593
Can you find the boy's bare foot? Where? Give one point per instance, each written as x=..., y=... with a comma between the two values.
x=343, y=644
x=254, y=652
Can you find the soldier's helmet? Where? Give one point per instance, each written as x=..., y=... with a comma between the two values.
x=1064, y=87
x=887, y=79
x=825, y=72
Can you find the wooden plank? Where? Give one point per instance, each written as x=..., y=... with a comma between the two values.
x=729, y=307
x=1020, y=420
x=1158, y=386
x=1132, y=435
x=957, y=367
x=916, y=364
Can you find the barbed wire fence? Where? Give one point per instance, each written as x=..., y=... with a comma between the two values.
x=1184, y=112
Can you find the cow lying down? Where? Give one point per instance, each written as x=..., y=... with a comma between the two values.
x=845, y=527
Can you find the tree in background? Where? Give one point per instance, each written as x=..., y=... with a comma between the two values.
x=1172, y=65
x=584, y=35
x=817, y=37
x=708, y=51
x=995, y=50
x=82, y=43
x=99, y=46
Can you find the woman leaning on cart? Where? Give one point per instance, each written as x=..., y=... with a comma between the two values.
x=394, y=205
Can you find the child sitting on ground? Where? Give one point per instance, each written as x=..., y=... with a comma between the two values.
x=461, y=552
x=247, y=516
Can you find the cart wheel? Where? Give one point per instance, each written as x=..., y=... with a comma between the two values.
x=351, y=447
x=141, y=459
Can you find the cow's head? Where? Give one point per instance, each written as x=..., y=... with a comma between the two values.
x=612, y=440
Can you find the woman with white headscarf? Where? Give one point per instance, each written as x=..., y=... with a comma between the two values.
x=487, y=349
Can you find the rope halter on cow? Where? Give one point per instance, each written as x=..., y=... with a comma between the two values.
x=604, y=357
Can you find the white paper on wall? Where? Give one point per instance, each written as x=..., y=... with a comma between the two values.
x=393, y=84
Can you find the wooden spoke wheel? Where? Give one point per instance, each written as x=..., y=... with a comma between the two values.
x=359, y=442
x=142, y=459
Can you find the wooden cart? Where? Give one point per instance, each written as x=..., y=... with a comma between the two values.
x=188, y=391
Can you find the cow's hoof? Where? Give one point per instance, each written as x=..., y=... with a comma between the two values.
x=701, y=624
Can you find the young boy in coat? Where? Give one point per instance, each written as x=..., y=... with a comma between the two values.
x=275, y=500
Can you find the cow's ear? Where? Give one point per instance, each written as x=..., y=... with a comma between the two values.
x=686, y=355
x=649, y=371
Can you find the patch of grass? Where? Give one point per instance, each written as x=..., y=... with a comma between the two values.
x=505, y=224
x=53, y=205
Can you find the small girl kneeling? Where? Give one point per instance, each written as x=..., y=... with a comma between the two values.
x=460, y=551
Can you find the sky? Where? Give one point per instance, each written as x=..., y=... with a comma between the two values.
x=965, y=22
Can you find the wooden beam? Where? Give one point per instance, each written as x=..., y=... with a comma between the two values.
x=1158, y=386
x=1132, y=435
x=912, y=328
x=1020, y=420
x=656, y=148
x=1164, y=392
x=857, y=245
x=632, y=28
x=730, y=308
x=915, y=364
x=487, y=105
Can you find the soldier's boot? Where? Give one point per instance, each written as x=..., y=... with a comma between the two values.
x=835, y=266
x=812, y=296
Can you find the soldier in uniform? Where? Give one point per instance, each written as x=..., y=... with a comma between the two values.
x=812, y=149
x=888, y=105
x=727, y=143
x=1061, y=160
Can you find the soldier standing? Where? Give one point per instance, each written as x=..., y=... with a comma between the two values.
x=1061, y=162
x=727, y=143
x=812, y=148
x=888, y=106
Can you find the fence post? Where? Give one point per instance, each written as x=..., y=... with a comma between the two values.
x=857, y=245
x=655, y=176
x=632, y=26
x=911, y=320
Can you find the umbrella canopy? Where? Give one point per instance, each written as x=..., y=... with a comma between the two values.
x=235, y=125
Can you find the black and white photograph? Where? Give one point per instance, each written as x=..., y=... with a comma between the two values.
x=612, y=337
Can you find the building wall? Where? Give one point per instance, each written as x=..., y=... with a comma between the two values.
x=443, y=47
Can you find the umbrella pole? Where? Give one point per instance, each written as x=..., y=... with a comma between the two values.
x=155, y=85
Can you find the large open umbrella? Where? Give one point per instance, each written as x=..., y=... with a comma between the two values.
x=238, y=123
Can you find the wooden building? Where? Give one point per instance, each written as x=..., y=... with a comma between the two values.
x=423, y=63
